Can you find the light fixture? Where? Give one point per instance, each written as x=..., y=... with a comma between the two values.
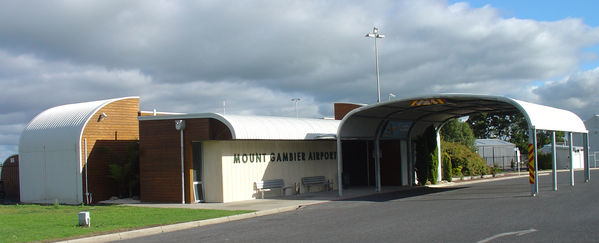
x=296, y=100
x=102, y=117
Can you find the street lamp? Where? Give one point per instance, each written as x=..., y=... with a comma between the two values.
x=375, y=34
x=391, y=95
x=296, y=100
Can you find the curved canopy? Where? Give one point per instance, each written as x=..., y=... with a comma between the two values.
x=266, y=127
x=363, y=122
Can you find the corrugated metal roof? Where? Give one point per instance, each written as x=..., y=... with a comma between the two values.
x=60, y=126
x=266, y=127
x=491, y=142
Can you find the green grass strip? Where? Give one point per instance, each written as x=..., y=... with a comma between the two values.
x=24, y=223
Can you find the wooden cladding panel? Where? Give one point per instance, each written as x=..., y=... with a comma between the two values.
x=160, y=158
x=159, y=161
x=10, y=178
x=107, y=140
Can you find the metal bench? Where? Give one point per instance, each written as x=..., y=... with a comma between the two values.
x=269, y=185
x=307, y=182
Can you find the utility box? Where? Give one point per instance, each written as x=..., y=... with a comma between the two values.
x=84, y=219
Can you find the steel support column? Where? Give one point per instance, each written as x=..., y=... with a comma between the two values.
x=571, y=146
x=439, y=155
x=554, y=160
x=377, y=163
x=587, y=170
x=532, y=138
x=339, y=166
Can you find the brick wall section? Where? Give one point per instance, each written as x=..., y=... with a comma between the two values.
x=341, y=109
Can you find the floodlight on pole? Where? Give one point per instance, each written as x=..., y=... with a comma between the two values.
x=375, y=34
x=391, y=95
x=296, y=100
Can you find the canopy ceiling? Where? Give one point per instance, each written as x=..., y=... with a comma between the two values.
x=363, y=122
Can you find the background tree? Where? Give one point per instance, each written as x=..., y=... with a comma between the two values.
x=459, y=151
x=511, y=127
x=456, y=131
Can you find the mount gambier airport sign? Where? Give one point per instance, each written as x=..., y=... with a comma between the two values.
x=283, y=157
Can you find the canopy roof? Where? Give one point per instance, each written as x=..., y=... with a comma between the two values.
x=363, y=122
x=266, y=127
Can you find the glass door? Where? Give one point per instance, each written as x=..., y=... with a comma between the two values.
x=198, y=186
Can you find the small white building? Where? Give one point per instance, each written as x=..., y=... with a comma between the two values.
x=497, y=152
x=592, y=125
x=563, y=156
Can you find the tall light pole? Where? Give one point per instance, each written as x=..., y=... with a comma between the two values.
x=375, y=34
x=296, y=100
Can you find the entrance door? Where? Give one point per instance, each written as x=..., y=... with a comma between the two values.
x=198, y=186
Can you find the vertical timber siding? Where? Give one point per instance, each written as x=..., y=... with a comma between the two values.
x=107, y=143
x=160, y=156
x=10, y=178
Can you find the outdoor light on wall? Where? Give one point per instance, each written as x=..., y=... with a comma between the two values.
x=102, y=117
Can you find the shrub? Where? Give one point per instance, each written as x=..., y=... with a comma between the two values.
x=446, y=166
x=545, y=161
x=462, y=157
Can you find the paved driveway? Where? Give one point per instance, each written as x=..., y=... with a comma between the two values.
x=499, y=211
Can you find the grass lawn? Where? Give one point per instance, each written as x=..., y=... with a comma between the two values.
x=23, y=223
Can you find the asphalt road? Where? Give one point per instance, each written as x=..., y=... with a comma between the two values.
x=499, y=211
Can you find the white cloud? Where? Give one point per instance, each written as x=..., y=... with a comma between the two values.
x=257, y=55
x=577, y=93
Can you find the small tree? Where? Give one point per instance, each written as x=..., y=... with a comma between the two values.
x=125, y=171
x=458, y=132
x=425, y=162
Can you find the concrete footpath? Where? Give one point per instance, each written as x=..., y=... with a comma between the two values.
x=261, y=206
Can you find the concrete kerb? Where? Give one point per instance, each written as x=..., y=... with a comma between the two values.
x=181, y=226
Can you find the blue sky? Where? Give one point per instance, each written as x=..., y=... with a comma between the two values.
x=548, y=10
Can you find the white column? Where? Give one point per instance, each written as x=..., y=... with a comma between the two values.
x=587, y=170
x=339, y=166
x=403, y=149
x=439, y=156
x=554, y=160
x=377, y=163
x=571, y=143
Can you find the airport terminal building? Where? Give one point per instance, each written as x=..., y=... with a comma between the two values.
x=211, y=157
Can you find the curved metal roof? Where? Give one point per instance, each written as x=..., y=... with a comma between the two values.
x=363, y=122
x=266, y=127
x=60, y=126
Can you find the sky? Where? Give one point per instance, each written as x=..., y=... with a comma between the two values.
x=255, y=56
